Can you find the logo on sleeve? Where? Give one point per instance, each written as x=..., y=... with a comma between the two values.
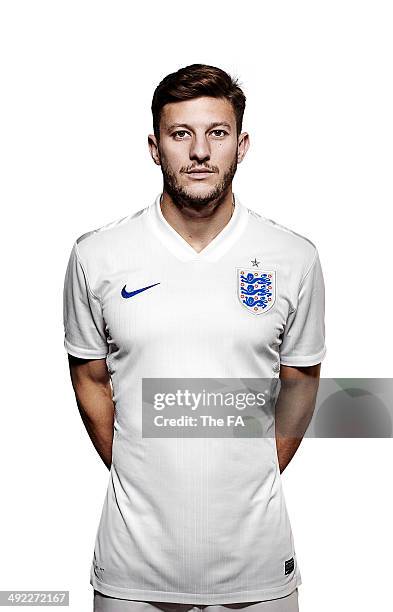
x=256, y=290
x=128, y=294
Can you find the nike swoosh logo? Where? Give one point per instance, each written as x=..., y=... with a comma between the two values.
x=128, y=294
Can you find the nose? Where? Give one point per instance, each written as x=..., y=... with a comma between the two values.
x=200, y=148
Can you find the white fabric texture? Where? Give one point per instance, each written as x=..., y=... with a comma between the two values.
x=192, y=520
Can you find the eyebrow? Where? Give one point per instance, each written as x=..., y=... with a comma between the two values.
x=209, y=127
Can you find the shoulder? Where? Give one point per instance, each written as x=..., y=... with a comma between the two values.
x=298, y=248
x=109, y=236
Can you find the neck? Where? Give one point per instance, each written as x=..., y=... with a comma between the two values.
x=198, y=226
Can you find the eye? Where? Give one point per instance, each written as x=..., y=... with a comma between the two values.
x=180, y=134
x=219, y=133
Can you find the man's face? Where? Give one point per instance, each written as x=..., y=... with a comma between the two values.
x=198, y=149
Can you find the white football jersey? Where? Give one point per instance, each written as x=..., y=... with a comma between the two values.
x=193, y=520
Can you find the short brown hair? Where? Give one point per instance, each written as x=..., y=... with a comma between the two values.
x=192, y=82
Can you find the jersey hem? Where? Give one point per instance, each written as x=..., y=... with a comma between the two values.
x=83, y=353
x=304, y=361
x=197, y=598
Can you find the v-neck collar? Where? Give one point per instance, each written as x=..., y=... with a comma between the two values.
x=175, y=243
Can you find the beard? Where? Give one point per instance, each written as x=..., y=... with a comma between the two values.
x=183, y=198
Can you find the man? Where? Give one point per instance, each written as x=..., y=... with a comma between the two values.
x=194, y=285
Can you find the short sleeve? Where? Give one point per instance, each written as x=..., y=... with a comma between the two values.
x=84, y=326
x=303, y=339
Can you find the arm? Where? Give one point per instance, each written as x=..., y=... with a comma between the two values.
x=294, y=408
x=93, y=392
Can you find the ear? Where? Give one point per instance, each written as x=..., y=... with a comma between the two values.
x=243, y=144
x=153, y=147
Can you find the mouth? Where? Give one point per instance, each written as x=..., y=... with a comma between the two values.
x=200, y=174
